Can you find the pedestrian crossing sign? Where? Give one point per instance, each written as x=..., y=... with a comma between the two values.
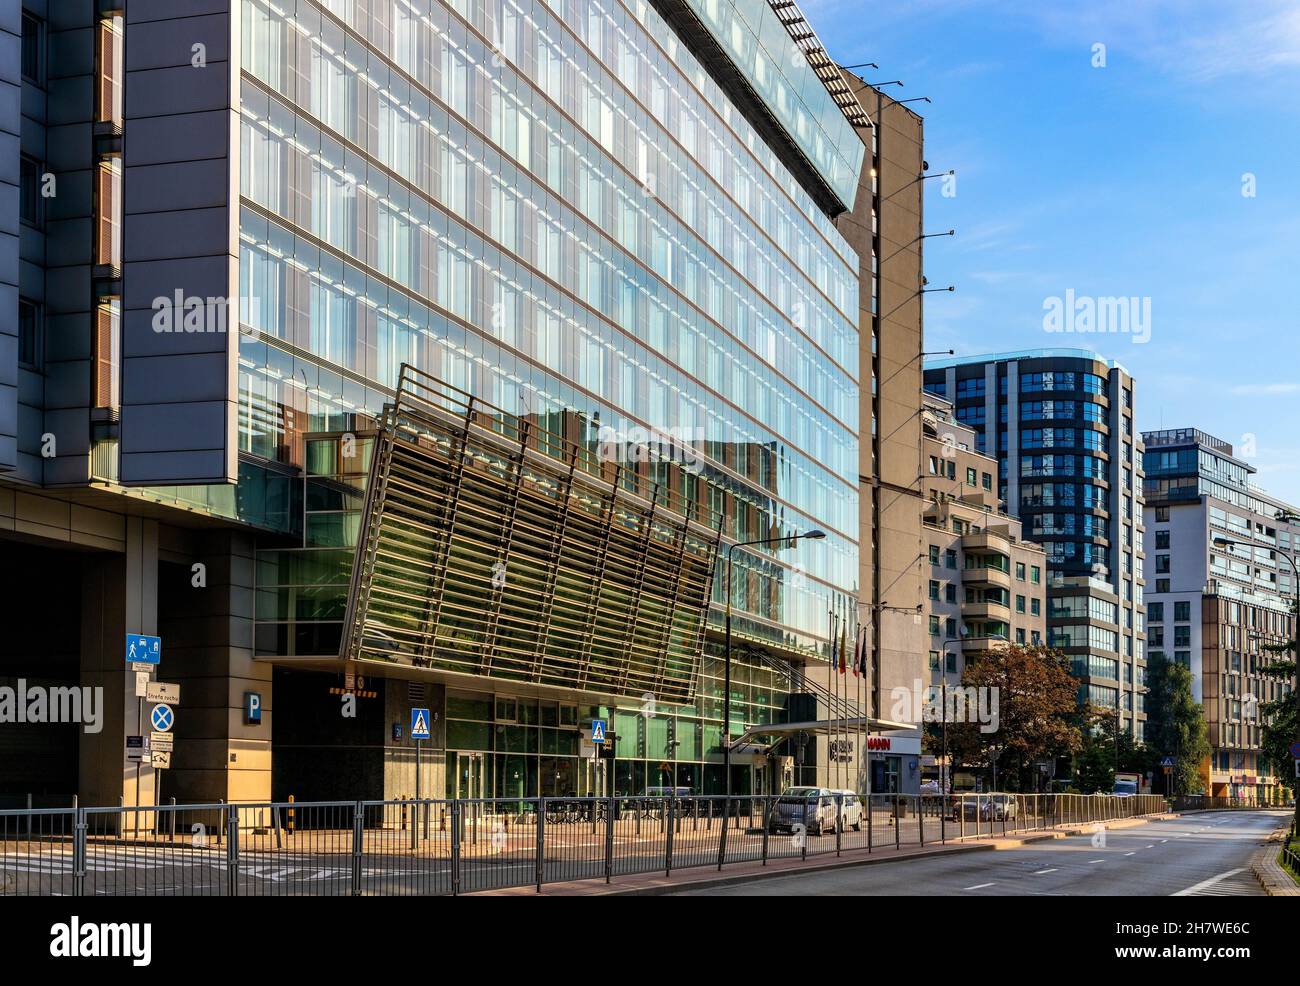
x=598, y=731
x=420, y=724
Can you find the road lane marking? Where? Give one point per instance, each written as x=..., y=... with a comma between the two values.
x=1096, y=861
x=1151, y=846
x=1130, y=854
x=1208, y=883
x=1041, y=872
x=979, y=886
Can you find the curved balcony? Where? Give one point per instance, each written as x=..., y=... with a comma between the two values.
x=987, y=540
x=986, y=609
x=986, y=576
x=982, y=645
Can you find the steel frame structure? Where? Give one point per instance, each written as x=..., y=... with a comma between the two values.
x=492, y=546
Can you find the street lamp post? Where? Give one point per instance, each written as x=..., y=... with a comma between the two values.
x=726, y=686
x=1287, y=516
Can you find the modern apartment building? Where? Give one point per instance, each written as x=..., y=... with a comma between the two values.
x=1060, y=422
x=402, y=353
x=1222, y=581
x=987, y=586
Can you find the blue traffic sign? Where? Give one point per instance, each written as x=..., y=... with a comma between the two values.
x=1295, y=750
x=419, y=724
x=1166, y=761
x=598, y=731
x=143, y=648
x=162, y=717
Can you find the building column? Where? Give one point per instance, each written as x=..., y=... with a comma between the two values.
x=207, y=631
x=119, y=595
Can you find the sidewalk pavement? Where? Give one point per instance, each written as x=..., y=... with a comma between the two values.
x=1276, y=881
x=703, y=877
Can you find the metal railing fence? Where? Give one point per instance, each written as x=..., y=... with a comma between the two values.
x=1205, y=802
x=432, y=846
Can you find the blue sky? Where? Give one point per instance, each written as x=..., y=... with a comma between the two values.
x=1122, y=180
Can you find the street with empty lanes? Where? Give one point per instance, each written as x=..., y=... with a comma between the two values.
x=1199, y=854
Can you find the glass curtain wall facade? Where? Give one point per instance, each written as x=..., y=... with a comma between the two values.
x=554, y=208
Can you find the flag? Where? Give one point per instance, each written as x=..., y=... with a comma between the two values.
x=844, y=646
x=857, y=651
x=862, y=653
x=835, y=657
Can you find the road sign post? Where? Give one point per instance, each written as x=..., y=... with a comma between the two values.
x=162, y=692
x=162, y=718
x=419, y=733
x=142, y=654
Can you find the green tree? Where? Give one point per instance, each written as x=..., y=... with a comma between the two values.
x=1036, y=697
x=1101, y=754
x=1176, y=724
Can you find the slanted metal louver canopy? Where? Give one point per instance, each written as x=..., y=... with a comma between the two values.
x=491, y=546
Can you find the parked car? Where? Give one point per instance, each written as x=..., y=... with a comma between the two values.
x=811, y=807
x=986, y=807
x=1000, y=807
x=850, y=809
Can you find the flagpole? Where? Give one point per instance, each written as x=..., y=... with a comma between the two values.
x=849, y=729
x=830, y=711
x=839, y=698
x=857, y=673
x=848, y=706
x=840, y=725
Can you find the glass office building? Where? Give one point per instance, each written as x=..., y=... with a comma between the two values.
x=559, y=210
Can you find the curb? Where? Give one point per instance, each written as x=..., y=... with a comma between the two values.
x=1273, y=879
x=841, y=864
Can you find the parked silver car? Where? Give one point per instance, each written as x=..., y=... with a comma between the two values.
x=811, y=807
x=851, y=811
x=995, y=807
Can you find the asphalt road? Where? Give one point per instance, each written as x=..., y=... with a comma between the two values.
x=1203, y=854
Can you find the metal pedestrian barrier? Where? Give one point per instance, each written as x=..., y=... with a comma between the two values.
x=447, y=847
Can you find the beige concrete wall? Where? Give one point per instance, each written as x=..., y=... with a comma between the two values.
x=891, y=574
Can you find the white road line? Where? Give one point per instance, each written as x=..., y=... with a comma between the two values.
x=1096, y=861
x=979, y=886
x=1130, y=854
x=1041, y=872
x=1208, y=883
x=1152, y=846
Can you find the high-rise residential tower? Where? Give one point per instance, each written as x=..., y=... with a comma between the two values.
x=1060, y=422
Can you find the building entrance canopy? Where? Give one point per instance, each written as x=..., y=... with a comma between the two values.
x=822, y=727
